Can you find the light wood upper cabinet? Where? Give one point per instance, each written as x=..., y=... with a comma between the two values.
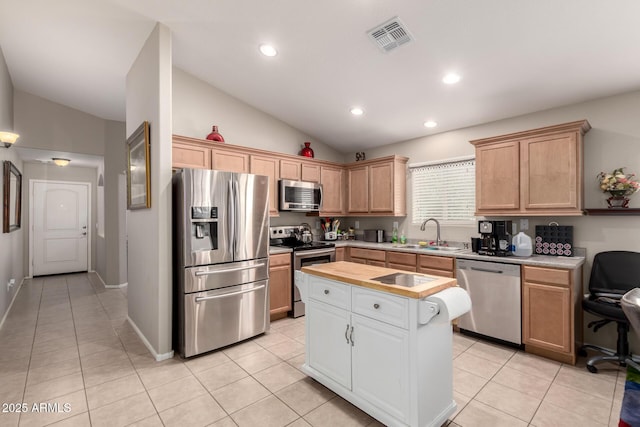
x=290, y=169
x=190, y=156
x=310, y=173
x=378, y=187
x=332, y=191
x=230, y=161
x=534, y=173
x=498, y=177
x=358, y=187
x=270, y=167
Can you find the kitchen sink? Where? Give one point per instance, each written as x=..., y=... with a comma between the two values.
x=428, y=248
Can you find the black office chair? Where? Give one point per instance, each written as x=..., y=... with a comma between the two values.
x=613, y=274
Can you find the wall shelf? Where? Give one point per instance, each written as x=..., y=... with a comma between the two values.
x=629, y=211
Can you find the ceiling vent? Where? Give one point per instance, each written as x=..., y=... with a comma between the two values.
x=390, y=35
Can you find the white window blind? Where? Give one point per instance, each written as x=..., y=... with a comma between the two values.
x=445, y=191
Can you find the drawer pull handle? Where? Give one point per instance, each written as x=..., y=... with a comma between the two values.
x=326, y=291
x=351, y=337
x=346, y=331
x=376, y=306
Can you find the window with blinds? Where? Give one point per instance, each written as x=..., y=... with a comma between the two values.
x=445, y=191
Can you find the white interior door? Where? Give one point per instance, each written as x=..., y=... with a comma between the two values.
x=60, y=228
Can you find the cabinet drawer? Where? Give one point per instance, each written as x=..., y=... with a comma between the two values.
x=280, y=259
x=435, y=262
x=368, y=254
x=334, y=293
x=390, y=309
x=552, y=276
x=434, y=272
x=401, y=258
x=402, y=267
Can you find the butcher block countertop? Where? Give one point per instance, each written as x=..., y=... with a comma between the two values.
x=361, y=275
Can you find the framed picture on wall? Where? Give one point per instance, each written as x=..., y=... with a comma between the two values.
x=12, y=191
x=138, y=169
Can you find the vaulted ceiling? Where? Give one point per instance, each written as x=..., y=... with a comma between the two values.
x=514, y=57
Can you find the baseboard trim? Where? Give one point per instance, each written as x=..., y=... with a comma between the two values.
x=121, y=285
x=11, y=304
x=156, y=355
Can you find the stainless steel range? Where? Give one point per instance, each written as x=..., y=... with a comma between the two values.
x=303, y=254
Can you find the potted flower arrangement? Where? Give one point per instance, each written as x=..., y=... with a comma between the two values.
x=619, y=185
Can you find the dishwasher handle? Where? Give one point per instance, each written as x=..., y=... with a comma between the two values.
x=486, y=270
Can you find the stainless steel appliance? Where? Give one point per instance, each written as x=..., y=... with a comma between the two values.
x=302, y=254
x=300, y=196
x=495, y=238
x=494, y=289
x=374, y=236
x=221, y=265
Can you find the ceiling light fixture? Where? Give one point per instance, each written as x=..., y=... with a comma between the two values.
x=430, y=124
x=8, y=138
x=59, y=161
x=357, y=111
x=268, y=50
x=451, y=78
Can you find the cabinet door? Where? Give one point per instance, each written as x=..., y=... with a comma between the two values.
x=550, y=172
x=498, y=177
x=190, y=156
x=310, y=173
x=332, y=191
x=381, y=194
x=380, y=365
x=279, y=283
x=546, y=316
x=268, y=166
x=340, y=254
x=328, y=342
x=229, y=161
x=290, y=169
x=358, y=180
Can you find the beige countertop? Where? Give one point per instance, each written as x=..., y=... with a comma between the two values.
x=361, y=275
x=535, y=260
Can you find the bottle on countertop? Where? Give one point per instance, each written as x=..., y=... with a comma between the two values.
x=403, y=238
x=394, y=236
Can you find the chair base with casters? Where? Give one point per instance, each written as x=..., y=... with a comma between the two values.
x=621, y=356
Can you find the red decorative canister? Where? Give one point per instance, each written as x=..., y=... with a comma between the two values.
x=215, y=135
x=306, y=151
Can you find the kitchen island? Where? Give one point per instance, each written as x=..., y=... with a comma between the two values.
x=385, y=347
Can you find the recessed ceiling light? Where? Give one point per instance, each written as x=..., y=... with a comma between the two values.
x=268, y=50
x=357, y=111
x=430, y=124
x=451, y=78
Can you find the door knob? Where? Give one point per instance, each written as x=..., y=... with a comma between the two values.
x=84, y=234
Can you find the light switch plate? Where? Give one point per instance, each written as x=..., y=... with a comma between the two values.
x=524, y=224
x=357, y=226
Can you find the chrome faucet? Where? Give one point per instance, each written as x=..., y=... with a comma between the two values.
x=438, y=241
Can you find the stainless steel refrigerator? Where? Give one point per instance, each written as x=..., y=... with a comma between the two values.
x=221, y=267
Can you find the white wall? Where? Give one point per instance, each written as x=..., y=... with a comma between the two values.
x=614, y=141
x=11, y=255
x=197, y=106
x=150, y=284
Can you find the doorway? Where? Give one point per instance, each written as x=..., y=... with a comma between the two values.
x=59, y=213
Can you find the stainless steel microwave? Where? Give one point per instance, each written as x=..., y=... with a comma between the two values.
x=300, y=196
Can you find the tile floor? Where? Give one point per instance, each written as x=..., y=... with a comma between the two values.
x=67, y=341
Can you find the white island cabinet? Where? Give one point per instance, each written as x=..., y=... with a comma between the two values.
x=388, y=354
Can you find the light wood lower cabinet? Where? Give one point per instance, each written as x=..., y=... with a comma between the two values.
x=341, y=254
x=368, y=256
x=402, y=261
x=551, y=312
x=279, y=285
x=436, y=265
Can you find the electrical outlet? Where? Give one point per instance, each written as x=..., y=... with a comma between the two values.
x=524, y=224
x=357, y=226
x=10, y=284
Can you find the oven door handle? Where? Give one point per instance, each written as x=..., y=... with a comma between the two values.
x=246, y=291
x=301, y=254
x=228, y=270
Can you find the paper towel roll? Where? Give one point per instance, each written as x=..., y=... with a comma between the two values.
x=453, y=302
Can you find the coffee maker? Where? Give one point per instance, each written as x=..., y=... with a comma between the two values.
x=495, y=238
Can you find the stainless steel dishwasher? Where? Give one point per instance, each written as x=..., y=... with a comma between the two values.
x=494, y=289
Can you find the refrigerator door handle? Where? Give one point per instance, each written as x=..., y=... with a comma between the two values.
x=199, y=299
x=227, y=270
x=231, y=220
